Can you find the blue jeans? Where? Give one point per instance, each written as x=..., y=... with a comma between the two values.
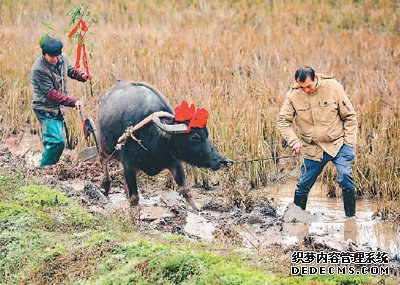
x=311, y=169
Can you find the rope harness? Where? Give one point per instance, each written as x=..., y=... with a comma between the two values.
x=274, y=158
x=129, y=133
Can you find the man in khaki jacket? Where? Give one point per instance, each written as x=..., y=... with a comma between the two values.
x=327, y=126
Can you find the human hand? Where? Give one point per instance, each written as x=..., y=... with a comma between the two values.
x=78, y=105
x=297, y=146
x=86, y=76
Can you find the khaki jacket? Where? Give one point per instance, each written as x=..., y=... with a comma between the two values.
x=326, y=119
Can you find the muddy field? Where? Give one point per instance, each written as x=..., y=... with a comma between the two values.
x=268, y=222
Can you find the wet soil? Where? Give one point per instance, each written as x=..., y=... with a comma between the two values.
x=272, y=223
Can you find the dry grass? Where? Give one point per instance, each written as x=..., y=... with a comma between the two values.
x=236, y=58
x=69, y=267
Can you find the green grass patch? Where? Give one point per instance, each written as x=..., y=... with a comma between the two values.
x=21, y=251
x=13, y=216
x=33, y=223
x=63, y=211
x=149, y=262
x=9, y=183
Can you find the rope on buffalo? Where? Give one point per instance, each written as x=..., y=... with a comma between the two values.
x=129, y=132
x=274, y=158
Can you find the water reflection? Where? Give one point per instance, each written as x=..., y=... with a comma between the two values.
x=350, y=229
x=297, y=230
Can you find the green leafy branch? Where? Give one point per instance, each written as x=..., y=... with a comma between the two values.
x=77, y=14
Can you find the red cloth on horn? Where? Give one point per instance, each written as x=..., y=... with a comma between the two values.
x=198, y=118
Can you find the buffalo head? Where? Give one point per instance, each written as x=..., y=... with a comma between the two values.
x=193, y=147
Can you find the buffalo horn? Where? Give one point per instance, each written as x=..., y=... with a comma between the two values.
x=176, y=129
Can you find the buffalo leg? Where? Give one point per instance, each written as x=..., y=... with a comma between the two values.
x=178, y=173
x=131, y=185
x=106, y=181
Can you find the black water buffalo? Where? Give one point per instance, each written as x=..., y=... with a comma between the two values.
x=159, y=144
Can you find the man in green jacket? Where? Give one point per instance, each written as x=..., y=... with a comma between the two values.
x=327, y=126
x=49, y=79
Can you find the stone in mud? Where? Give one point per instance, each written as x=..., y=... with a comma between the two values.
x=294, y=214
x=199, y=227
x=93, y=192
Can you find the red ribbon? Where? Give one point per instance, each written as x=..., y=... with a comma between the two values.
x=198, y=118
x=183, y=112
x=81, y=46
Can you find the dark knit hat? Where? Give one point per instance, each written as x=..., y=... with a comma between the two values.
x=50, y=45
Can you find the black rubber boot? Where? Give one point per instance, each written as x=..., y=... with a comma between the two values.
x=300, y=200
x=349, y=202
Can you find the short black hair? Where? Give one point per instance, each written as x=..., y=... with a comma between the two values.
x=303, y=72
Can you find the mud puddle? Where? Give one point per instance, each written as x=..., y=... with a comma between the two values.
x=271, y=221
